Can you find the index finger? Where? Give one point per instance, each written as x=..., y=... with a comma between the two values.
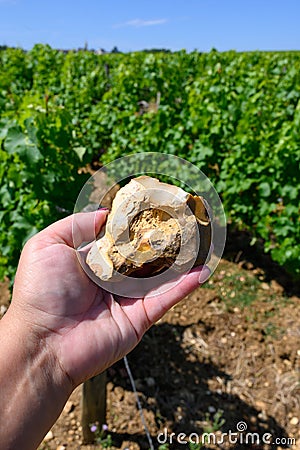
x=157, y=304
x=75, y=229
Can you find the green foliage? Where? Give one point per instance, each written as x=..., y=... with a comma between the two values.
x=164, y=446
x=234, y=115
x=211, y=426
x=39, y=180
x=101, y=435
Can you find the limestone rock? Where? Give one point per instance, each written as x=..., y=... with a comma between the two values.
x=48, y=436
x=151, y=227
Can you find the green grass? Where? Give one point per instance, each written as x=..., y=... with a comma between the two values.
x=236, y=288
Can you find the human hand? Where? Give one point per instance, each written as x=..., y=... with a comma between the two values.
x=62, y=329
x=83, y=326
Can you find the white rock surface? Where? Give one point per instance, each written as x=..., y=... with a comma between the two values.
x=151, y=226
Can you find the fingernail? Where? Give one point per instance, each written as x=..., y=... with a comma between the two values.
x=204, y=274
x=102, y=208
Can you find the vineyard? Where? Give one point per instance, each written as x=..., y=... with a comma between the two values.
x=229, y=351
x=234, y=115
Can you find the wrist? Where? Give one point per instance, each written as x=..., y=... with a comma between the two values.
x=30, y=344
x=36, y=380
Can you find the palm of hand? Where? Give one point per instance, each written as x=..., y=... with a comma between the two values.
x=81, y=324
x=86, y=326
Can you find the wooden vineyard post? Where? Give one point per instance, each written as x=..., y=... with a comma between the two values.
x=93, y=406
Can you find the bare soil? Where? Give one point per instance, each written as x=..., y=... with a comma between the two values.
x=230, y=352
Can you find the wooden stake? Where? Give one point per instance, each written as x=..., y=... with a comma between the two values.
x=93, y=406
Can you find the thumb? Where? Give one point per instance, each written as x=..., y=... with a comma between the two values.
x=75, y=229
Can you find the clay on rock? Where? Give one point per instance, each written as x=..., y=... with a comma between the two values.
x=151, y=227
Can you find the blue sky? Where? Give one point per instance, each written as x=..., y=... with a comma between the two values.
x=137, y=24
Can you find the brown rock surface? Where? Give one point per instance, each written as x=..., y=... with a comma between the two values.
x=151, y=227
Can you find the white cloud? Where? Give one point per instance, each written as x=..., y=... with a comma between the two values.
x=137, y=23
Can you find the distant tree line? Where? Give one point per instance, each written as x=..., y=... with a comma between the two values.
x=99, y=51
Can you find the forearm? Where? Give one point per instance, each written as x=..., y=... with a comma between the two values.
x=33, y=390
